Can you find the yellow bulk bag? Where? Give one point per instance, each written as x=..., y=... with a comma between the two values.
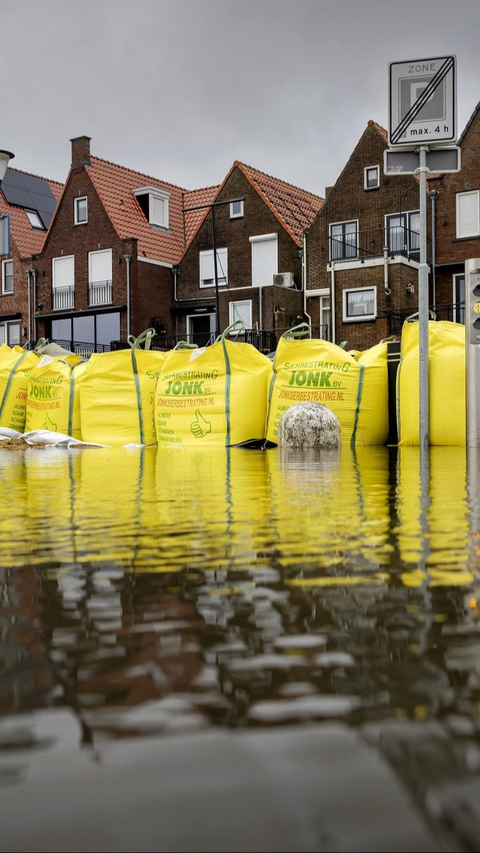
x=212, y=395
x=117, y=391
x=321, y=372
x=51, y=400
x=15, y=367
x=447, y=384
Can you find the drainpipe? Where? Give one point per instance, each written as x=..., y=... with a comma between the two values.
x=385, y=271
x=304, y=281
x=332, y=276
x=29, y=282
x=34, y=302
x=433, y=195
x=128, y=258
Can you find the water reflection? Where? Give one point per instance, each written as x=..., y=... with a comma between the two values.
x=166, y=591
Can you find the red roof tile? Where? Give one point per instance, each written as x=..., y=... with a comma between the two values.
x=28, y=241
x=192, y=199
x=116, y=185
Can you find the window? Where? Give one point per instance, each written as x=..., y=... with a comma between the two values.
x=100, y=277
x=403, y=232
x=207, y=270
x=63, y=282
x=325, y=313
x=467, y=214
x=236, y=209
x=343, y=240
x=91, y=329
x=10, y=333
x=371, y=179
x=359, y=304
x=459, y=298
x=154, y=203
x=80, y=211
x=35, y=220
x=264, y=259
x=7, y=277
x=241, y=311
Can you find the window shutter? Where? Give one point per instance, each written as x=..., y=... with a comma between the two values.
x=206, y=266
x=63, y=272
x=157, y=210
x=101, y=266
x=241, y=311
x=207, y=271
x=264, y=261
x=467, y=214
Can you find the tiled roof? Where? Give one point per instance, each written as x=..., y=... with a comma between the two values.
x=294, y=208
x=192, y=199
x=115, y=186
x=28, y=241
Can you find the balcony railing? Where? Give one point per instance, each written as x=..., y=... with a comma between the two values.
x=100, y=293
x=453, y=311
x=63, y=298
x=360, y=245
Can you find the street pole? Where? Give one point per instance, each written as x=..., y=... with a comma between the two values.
x=423, y=308
x=472, y=350
x=215, y=273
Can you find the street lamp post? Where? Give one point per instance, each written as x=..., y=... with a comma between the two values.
x=212, y=207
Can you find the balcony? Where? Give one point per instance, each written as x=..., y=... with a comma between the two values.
x=360, y=246
x=100, y=293
x=63, y=298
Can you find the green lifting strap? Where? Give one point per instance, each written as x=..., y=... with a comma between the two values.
x=299, y=331
x=144, y=338
x=234, y=327
x=184, y=345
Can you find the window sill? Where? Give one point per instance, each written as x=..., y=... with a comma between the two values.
x=81, y=223
x=462, y=239
x=369, y=189
x=369, y=319
x=7, y=293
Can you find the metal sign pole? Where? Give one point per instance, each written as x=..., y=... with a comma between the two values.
x=472, y=350
x=423, y=307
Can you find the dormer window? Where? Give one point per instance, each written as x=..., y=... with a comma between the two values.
x=154, y=203
x=35, y=220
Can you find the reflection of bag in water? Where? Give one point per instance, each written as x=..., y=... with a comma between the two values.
x=355, y=389
x=117, y=394
x=213, y=395
x=447, y=384
x=52, y=398
x=15, y=367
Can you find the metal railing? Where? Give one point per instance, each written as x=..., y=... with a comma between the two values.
x=453, y=311
x=265, y=340
x=82, y=348
x=371, y=242
x=100, y=293
x=63, y=297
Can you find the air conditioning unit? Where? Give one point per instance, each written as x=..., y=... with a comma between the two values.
x=284, y=279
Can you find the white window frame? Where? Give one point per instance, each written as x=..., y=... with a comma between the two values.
x=220, y=269
x=457, y=218
x=365, y=184
x=324, y=294
x=407, y=214
x=163, y=195
x=332, y=225
x=62, y=258
x=4, y=265
x=236, y=215
x=230, y=313
x=6, y=325
x=99, y=252
x=76, y=220
x=40, y=226
x=363, y=318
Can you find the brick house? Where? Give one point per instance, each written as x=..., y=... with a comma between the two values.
x=457, y=225
x=362, y=250
x=106, y=267
x=30, y=202
x=259, y=244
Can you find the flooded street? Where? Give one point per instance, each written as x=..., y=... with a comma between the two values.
x=239, y=650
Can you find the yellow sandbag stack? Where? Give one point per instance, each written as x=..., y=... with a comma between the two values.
x=117, y=391
x=15, y=366
x=447, y=384
x=212, y=395
x=355, y=389
x=51, y=399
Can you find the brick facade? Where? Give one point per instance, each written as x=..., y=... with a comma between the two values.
x=347, y=201
x=280, y=304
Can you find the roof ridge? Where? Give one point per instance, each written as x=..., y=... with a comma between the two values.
x=136, y=172
x=468, y=124
x=202, y=189
x=33, y=175
x=280, y=180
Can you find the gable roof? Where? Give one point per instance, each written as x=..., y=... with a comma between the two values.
x=28, y=241
x=115, y=186
x=294, y=208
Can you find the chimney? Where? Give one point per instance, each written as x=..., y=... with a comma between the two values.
x=80, y=151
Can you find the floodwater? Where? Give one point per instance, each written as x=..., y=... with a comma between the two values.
x=239, y=650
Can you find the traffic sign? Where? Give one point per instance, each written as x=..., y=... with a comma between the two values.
x=423, y=102
x=407, y=162
x=5, y=235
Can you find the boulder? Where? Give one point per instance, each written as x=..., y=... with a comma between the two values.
x=309, y=425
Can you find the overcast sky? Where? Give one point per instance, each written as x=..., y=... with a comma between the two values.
x=179, y=89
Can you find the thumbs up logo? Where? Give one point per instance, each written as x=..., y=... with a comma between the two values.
x=200, y=428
